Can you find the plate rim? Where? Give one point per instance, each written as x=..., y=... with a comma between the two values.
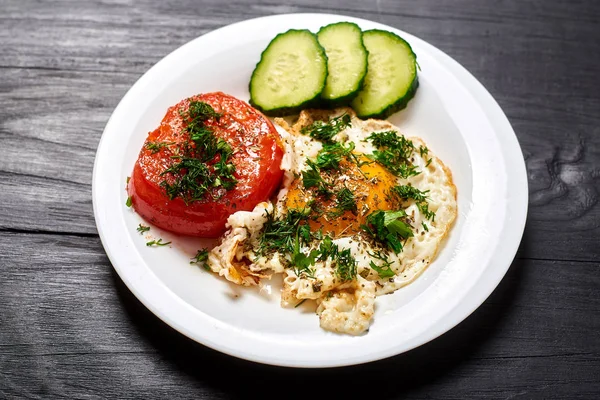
x=509, y=140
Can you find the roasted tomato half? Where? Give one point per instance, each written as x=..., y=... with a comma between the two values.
x=165, y=192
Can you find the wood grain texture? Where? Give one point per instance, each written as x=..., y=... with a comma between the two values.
x=530, y=339
x=87, y=54
x=69, y=328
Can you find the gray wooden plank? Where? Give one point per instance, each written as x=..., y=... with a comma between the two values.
x=36, y=204
x=70, y=328
x=119, y=36
x=58, y=145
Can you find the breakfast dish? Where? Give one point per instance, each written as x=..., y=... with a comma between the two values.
x=344, y=207
x=175, y=270
x=358, y=215
x=359, y=209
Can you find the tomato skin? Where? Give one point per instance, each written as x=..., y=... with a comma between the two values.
x=257, y=157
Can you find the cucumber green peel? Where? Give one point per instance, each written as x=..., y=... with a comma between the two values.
x=374, y=72
x=290, y=75
x=346, y=62
x=392, y=77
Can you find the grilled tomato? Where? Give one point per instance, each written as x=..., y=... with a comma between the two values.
x=211, y=156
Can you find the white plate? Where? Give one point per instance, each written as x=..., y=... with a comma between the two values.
x=452, y=112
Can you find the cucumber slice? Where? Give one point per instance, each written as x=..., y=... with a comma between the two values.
x=346, y=62
x=290, y=75
x=391, y=80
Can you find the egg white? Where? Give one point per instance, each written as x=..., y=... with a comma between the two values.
x=345, y=307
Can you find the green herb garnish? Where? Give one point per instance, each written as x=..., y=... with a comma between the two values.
x=345, y=264
x=142, y=228
x=201, y=259
x=325, y=131
x=298, y=305
x=129, y=202
x=158, y=242
x=327, y=249
x=287, y=235
x=330, y=156
x=302, y=262
x=406, y=192
x=345, y=201
x=196, y=172
x=385, y=270
x=388, y=228
x=200, y=111
x=312, y=178
x=155, y=147
x=394, y=152
x=280, y=234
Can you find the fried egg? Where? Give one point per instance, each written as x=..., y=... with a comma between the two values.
x=345, y=300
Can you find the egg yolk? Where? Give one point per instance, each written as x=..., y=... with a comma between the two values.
x=370, y=183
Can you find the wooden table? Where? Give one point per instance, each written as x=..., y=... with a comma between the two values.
x=70, y=328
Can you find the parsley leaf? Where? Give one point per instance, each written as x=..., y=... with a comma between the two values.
x=388, y=228
x=327, y=249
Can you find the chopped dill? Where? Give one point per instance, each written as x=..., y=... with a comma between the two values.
x=155, y=147
x=406, y=192
x=280, y=234
x=142, y=228
x=345, y=201
x=345, y=264
x=325, y=131
x=394, y=152
x=330, y=156
x=298, y=305
x=312, y=178
x=385, y=270
x=158, y=242
x=196, y=172
x=201, y=259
